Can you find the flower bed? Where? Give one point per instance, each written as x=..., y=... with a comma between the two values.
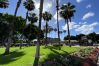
x=92, y=58
x=84, y=57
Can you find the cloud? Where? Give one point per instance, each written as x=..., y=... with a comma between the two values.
x=46, y=6
x=81, y=27
x=87, y=15
x=72, y=25
x=89, y=6
x=86, y=28
x=55, y=16
x=78, y=1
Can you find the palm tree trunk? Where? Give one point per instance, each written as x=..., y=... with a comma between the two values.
x=36, y=60
x=57, y=7
x=12, y=29
x=27, y=15
x=46, y=33
x=68, y=31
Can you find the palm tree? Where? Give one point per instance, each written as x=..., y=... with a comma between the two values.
x=4, y=3
x=38, y=44
x=32, y=18
x=57, y=7
x=29, y=5
x=67, y=11
x=46, y=16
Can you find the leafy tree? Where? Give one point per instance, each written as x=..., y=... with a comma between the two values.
x=66, y=12
x=4, y=3
x=72, y=37
x=97, y=38
x=31, y=30
x=46, y=16
x=79, y=38
x=6, y=19
x=92, y=36
x=29, y=5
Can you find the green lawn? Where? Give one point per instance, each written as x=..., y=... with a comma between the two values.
x=25, y=56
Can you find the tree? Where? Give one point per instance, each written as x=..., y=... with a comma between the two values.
x=32, y=18
x=66, y=12
x=57, y=8
x=12, y=29
x=4, y=3
x=29, y=5
x=72, y=37
x=6, y=19
x=79, y=38
x=38, y=44
x=92, y=36
x=31, y=32
x=46, y=16
x=49, y=29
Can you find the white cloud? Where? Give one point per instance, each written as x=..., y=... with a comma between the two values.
x=46, y=6
x=72, y=25
x=89, y=6
x=86, y=28
x=87, y=15
x=78, y=1
x=81, y=27
x=55, y=16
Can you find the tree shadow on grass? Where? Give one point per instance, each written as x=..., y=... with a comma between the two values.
x=13, y=56
x=61, y=59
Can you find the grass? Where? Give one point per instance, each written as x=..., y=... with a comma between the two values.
x=25, y=56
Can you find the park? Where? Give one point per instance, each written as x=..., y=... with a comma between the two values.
x=49, y=33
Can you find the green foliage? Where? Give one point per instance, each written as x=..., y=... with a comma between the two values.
x=71, y=37
x=4, y=3
x=31, y=32
x=29, y=5
x=32, y=18
x=5, y=22
x=47, y=16
x=67, y=11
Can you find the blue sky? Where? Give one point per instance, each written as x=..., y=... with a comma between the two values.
x=85, y=20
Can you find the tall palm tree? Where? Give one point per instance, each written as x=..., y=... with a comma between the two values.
x=38, y=44
x=57, y=7
x=46, y=16
x=11, y=33
x=29, y=5
x=4, y=3
x=67, y=11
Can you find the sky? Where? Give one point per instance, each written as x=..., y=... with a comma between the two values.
x=85, y=20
